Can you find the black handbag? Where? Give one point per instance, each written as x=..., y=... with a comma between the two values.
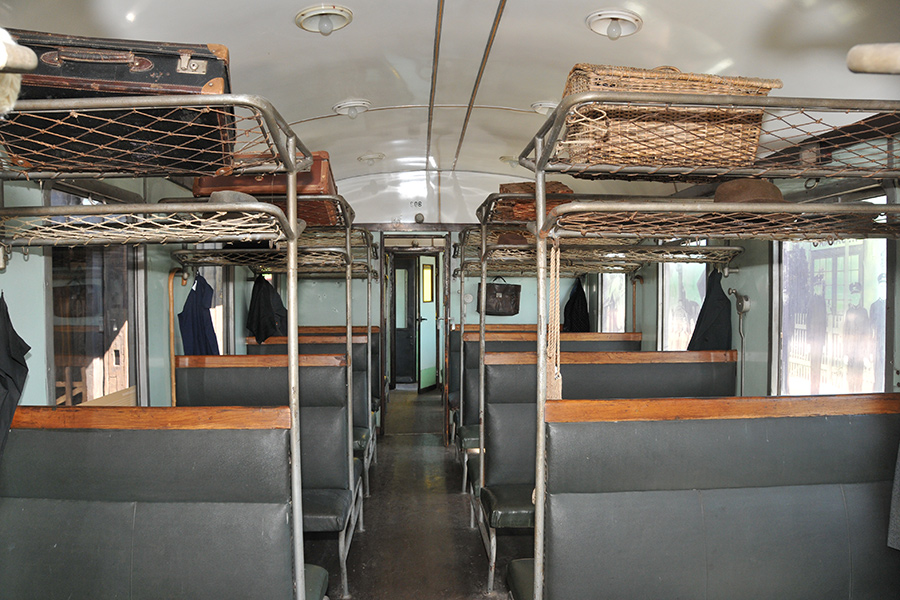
x=501, y=299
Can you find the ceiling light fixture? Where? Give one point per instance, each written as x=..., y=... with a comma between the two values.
x=352, y=107
x=323, y=18
x=542, y=108
x=370, y=158
x=614, y=22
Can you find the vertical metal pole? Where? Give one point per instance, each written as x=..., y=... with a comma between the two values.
x=445, y=331
x=482, y=303
x=294, y=383
x=348, y=274
x=462, y=335
x=540, y=206
x=371, y=415
x=892, y=192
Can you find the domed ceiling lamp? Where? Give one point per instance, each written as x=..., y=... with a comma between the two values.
x=352, y=107
x=370, y=158
x=543, y=108
x=323, y=18
x=614, y=22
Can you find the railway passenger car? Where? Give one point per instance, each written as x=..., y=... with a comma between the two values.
x=449, y=300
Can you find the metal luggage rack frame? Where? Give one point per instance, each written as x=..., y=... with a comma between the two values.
x=579, y=253
x=146, y=136
x=799, y=137
x=258, y=140
x=184, y=222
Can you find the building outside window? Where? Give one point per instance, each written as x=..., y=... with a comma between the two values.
x=833, y=319
x=683, y=291
x=612, y=306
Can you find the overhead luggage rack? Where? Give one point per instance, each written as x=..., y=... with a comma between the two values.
x=145, y=136
x=186, y=222
x=700, y=220
x=799, y=137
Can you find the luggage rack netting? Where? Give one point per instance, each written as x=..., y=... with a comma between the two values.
x=142, y=136
x=798, y=137
x=263, y=260
x=136, y=224
x=812, y=222
x=521, y=268
x=314, y=237
x=604, y=255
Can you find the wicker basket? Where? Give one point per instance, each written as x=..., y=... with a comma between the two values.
x=662, y=135
x=527, y=187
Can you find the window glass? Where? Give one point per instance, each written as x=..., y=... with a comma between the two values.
x=612, y=309
x=832, y=327
x=683, y=290
x=93, y=320
x=401, y=283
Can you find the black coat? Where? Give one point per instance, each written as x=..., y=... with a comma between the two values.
x=197, y=333
x=267, y=314
x=713, y=328
x=13, y=371
x=575, y=313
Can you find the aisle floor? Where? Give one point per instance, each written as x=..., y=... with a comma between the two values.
x=417, y=543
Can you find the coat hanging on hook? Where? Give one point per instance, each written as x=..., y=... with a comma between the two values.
x=713, y=328
x=198, y=337
x=575, y=313
x=13, y=371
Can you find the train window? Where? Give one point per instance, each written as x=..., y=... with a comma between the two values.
x=93, y=331
x=612, y=307
x=833, y=320
x=683, y=290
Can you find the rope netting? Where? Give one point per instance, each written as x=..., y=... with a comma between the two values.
x=554, y=375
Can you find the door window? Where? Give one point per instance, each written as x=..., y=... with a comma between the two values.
x=93, y=320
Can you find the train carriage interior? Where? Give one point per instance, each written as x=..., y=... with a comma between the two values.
x=449, y=300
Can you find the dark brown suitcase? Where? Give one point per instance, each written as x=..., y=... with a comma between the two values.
x=319, y=180
x=179, y=140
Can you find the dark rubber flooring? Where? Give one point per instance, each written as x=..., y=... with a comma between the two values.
x=417, y=543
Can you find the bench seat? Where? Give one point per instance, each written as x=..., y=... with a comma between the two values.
x=520, y=579
x=361, y=438
x=326, y=509
x=731, y=498
x=315, y=580
x=508, y=505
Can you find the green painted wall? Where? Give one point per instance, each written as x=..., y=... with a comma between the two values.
x=23, y=283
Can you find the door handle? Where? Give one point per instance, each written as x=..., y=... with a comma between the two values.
x=420, y=319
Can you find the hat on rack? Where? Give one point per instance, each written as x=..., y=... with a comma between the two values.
x=748, y=190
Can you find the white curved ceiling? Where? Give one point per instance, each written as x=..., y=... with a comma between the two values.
x=451, y=83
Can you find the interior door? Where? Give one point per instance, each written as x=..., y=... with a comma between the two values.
x=427, y=321
x=406, y=316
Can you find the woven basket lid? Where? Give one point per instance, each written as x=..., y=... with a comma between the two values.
x=748, y=190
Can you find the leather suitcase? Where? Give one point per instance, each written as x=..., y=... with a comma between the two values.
x=272, y=187
x=319, y=180
x=180, y=140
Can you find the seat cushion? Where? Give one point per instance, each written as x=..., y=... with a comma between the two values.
x=326, y=510
x=473, y=473
x=468, y=437
x=315, y=582
x=520, y=578
x=508, y=505
x=361, y=437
